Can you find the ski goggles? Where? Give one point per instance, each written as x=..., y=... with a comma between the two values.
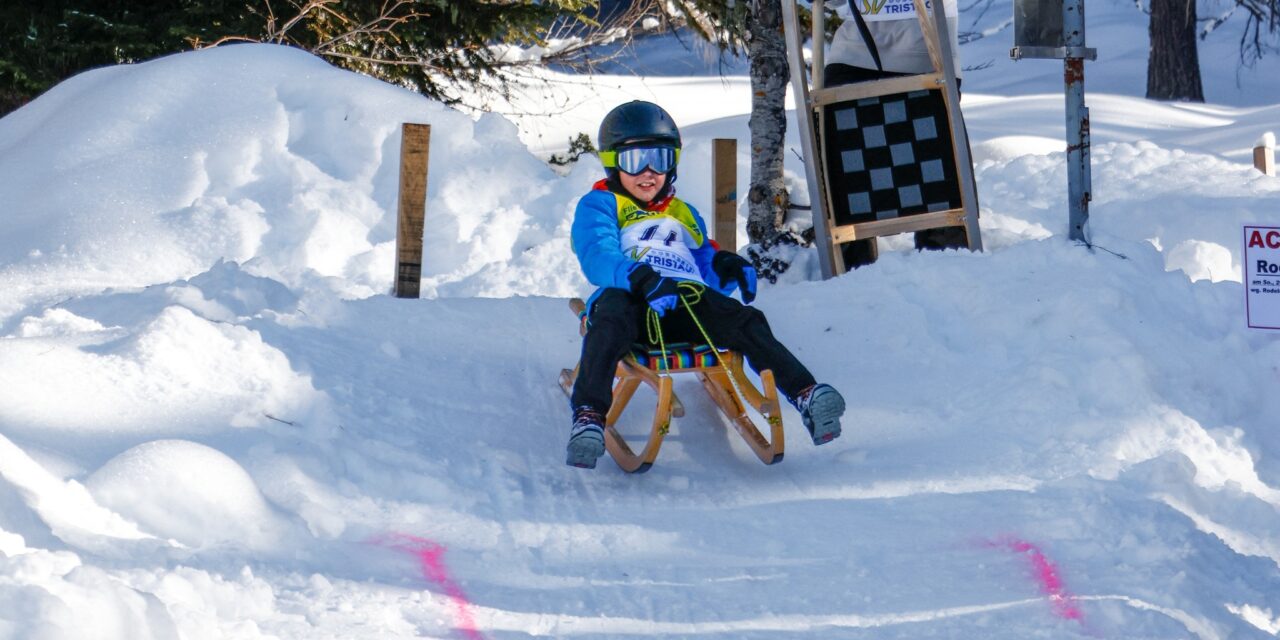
x=635, y=160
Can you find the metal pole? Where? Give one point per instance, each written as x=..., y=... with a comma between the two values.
x=1078, y=173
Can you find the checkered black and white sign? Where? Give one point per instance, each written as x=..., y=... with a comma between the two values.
x=890, y=156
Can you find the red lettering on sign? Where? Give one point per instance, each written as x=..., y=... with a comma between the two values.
x=1272, y=240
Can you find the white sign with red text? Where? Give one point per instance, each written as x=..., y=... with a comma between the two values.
x=1262, y=276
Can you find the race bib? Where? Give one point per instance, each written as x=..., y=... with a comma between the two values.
x=663, y=243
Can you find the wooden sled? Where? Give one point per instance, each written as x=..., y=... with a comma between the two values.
x=883, y=156
x=643, y=366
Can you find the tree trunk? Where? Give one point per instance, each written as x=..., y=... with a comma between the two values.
x=1173, y=68
x=767, y=49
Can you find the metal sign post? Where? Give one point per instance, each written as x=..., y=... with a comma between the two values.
x=1054, y=29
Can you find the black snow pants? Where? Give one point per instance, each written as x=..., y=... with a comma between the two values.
x=617, y=320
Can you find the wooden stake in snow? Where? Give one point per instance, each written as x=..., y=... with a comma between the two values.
x=1264, y=154
x=724, y=162
x=414, y=146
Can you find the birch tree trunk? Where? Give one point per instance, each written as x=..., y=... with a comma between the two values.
x=766, y=47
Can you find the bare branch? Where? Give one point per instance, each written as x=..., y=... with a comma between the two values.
x=279, y=37
x=221, y=41
x=386, y=22
x=386, y=40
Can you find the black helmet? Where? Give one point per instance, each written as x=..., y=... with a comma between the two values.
x=638, y=122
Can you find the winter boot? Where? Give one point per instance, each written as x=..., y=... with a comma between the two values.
x=586, y=441
x=820, y=407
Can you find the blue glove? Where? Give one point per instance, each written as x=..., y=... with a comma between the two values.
x=661, y=293
x=730, y=266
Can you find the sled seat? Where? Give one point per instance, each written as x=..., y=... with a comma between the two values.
x=727, y=385
x=680, y=357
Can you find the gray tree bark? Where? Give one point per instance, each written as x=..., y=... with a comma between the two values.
x=770, y=73
x=1173, y=67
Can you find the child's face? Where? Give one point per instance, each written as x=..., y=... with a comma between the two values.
x=644, y=185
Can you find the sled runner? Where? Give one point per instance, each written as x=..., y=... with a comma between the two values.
x=882, y=156
x=727, y=385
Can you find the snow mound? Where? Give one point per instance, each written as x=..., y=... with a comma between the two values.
x=56, y=322
x=257, y=154
x=178, y=374
x=186, y=491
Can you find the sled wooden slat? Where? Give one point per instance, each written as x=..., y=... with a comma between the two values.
x=715, y=379
x=623, y=391
x=567, y=376
x=857, y=91
x=617, y=446
x=767, y=402
x=577, y=306
x=932, y=38
x=936, y=31
x=851, y=232
x=768, y=450
x=649, y=377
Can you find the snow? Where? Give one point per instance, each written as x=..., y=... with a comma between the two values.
x=187, y=492
x=215, y=423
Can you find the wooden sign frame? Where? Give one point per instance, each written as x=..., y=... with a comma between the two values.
x=811, y=98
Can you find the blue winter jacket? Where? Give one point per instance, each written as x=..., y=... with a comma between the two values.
x=600, y=217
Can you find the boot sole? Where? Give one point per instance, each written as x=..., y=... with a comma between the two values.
x=824, y=417
x=583, y=452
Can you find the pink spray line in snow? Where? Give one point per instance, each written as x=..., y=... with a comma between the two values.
x=430, y=557
x=1046, y=573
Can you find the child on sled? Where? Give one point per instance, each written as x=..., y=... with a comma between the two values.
x=648, y=251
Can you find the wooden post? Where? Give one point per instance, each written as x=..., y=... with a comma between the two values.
x=415, y=143
x=724, y=162
x=1263, y=158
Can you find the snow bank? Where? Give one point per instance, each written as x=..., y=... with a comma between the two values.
x=178, y=374
x=256, y=154
x=1191, y=205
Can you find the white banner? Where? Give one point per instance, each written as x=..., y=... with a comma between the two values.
x=880, y=10
x=1262, y=276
